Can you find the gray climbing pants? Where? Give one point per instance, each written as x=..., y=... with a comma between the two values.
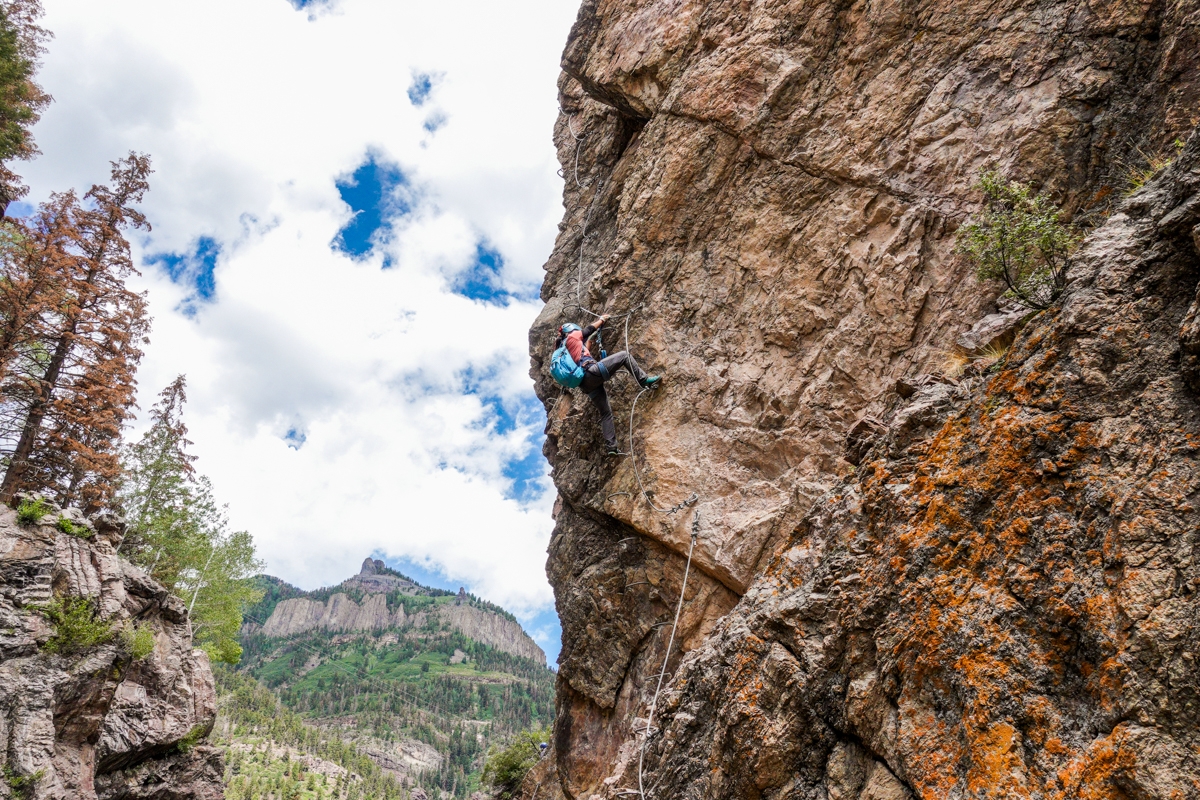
x=593, y=385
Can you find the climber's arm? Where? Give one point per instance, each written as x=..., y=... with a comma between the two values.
x=590, y=330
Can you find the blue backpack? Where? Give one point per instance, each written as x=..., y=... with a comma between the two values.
x=563, y=368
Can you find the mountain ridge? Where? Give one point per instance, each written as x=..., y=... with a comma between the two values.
x=421, y=681
x=379, y=598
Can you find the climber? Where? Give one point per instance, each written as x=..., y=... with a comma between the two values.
x=591, y=374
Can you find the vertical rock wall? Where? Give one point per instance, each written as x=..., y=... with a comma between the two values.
x=772, y=190
x=96, y=724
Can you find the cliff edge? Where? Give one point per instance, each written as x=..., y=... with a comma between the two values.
x=999, y=600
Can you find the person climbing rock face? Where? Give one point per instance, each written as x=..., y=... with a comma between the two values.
x=597, y=372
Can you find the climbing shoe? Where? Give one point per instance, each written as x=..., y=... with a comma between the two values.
x=651, y=382
x=615, y=451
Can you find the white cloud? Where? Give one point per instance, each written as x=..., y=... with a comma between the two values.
x=251, y=110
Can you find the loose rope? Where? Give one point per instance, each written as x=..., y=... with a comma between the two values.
x=662, y=673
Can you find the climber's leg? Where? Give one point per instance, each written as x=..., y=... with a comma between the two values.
x=593, y=386
x=623, y=360
x=607, y=428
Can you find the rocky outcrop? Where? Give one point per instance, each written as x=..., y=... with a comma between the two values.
x=487, y=628
x=340, y=613
x=93, y=722
x=1007, y=602
x=375, y=577
x=771, y=190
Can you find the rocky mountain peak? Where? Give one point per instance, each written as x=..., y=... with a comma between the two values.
x=380, y=599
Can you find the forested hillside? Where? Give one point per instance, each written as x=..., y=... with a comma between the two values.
x=421, y=700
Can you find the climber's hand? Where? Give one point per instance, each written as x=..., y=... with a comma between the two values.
x=603, y=319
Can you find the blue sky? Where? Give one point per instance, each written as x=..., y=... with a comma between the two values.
x=344, y=260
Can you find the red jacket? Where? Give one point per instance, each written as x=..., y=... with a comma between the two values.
x=577, y=347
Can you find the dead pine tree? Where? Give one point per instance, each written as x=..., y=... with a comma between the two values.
x=69, y=398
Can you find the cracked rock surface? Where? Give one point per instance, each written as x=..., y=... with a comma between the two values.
x=772, y=189
x=95, y=724
x=1007, y=605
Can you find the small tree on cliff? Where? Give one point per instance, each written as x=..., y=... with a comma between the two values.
x=1018, y=238
x=179, y=533
x=74, y=340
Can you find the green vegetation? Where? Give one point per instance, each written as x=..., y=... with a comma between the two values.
x=30, y=512
x=263, y=772
x=67, y=526
x=21, y=100
x=401, y=685
x=22, y=785
x=181, y=536
x=507, y=766
x=274, y=591
x=138, y=640
x=193, y=738
x=1142, y=167
x=1019, y=239
x=260, y=764
x=77, y=625
x=379, y=690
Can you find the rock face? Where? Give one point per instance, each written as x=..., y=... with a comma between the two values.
x=340, y=613
x=771, y=190
x=1008, y=602
x=491, y=629
x=95, y=723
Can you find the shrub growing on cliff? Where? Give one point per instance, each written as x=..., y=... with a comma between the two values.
x=191, y=739
x=77, y=625
x=507, y=766
x=1018, y=238
x=30, y=512
x=1141, y=167
x=138, y=640
x=22, y=785
x=65, y=525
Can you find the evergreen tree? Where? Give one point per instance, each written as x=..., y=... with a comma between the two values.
x=21, y=99
x=181, y=536
x=156, y=493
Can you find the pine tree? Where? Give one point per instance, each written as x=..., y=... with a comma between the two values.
x=179, y=533
x=70, y=391
x=155, y=493
x=21, y=99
